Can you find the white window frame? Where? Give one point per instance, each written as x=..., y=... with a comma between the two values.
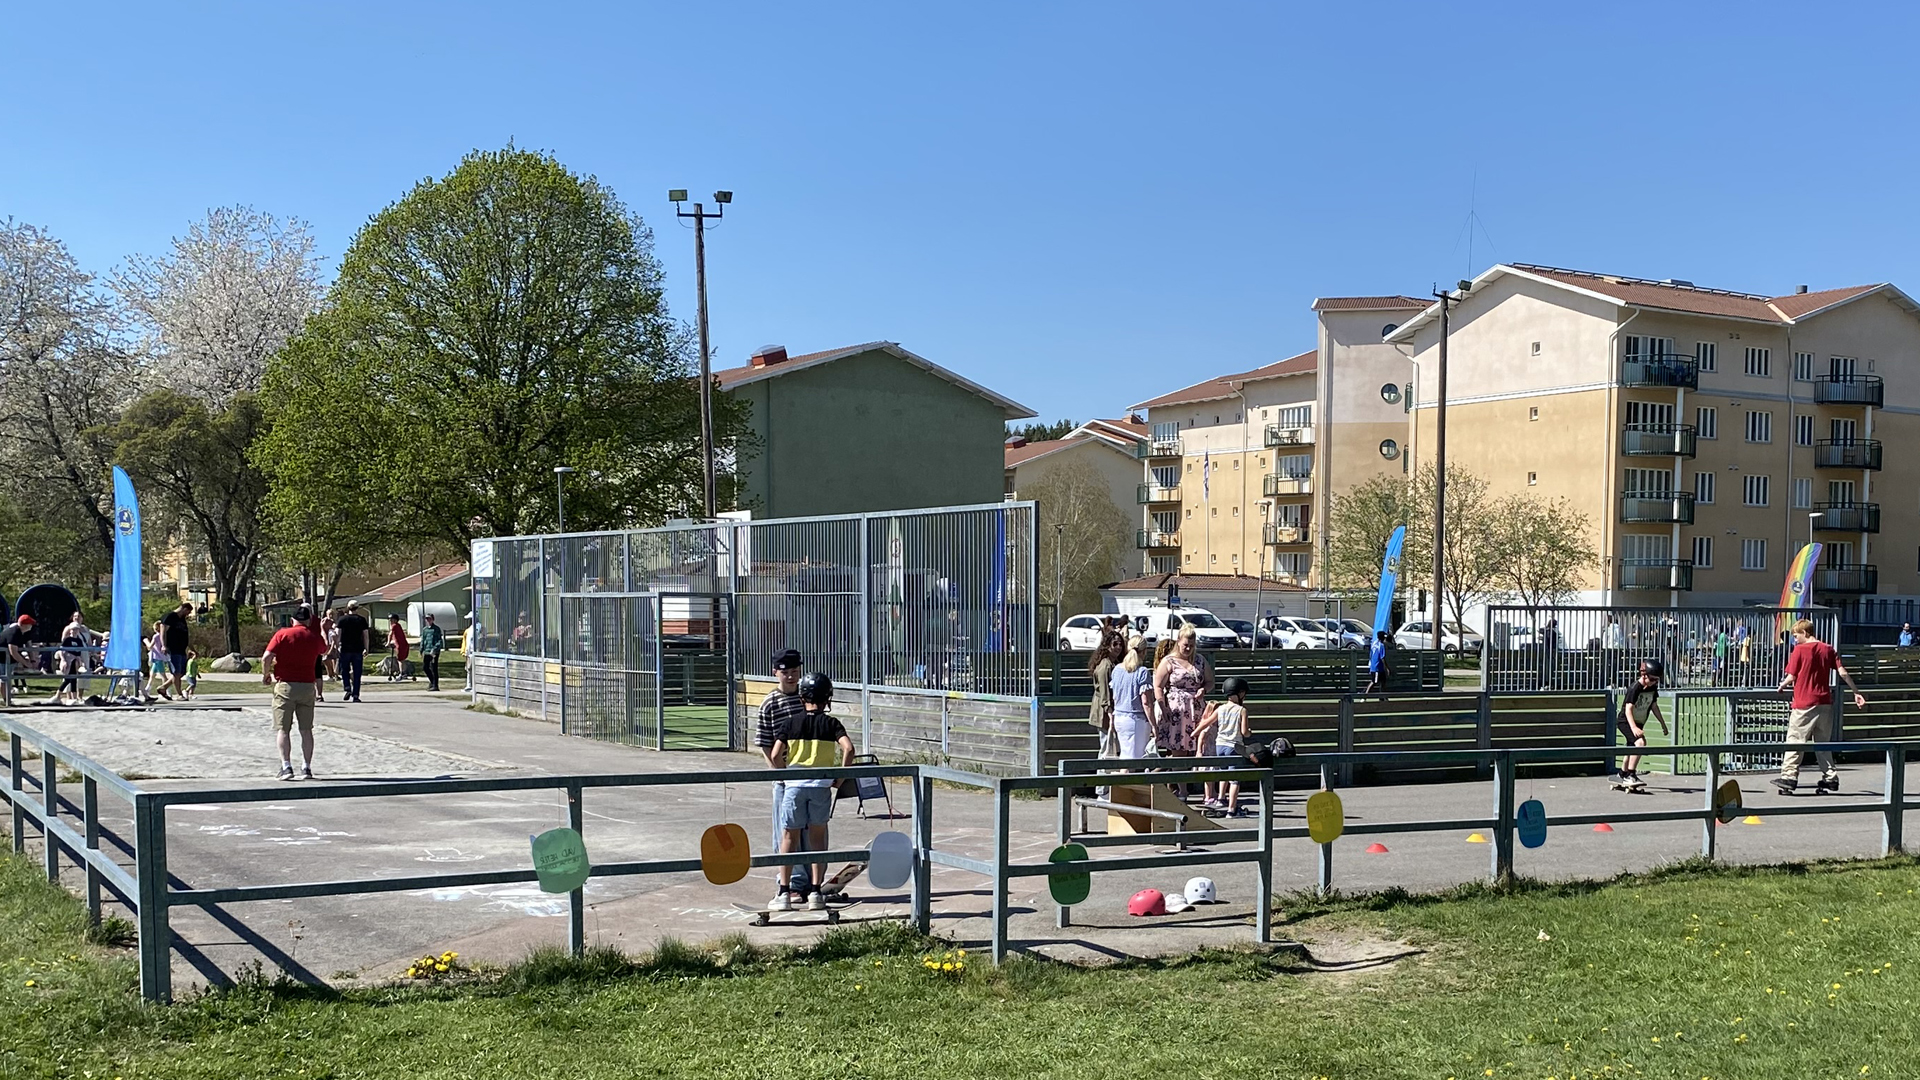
x=1703, y=552
x=1706, y=422
x=1803, y=367
x=1703, y=483
x=1756, y=489
x=1759, y=362
x=1753, y=554
x=1803, y=493
x=1759, y=425
x=1707, y=354
x=1803, y=429
x=1295, y=416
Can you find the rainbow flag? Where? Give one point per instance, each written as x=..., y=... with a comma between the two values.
x=1798, y=591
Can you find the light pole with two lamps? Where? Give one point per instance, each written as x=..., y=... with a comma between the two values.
x=701, y=215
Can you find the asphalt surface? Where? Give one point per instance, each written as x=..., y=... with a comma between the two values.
x=341, y=939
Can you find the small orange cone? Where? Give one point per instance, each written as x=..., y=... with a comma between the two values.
x=1476, y=838
x=1603, y=827
x=1751, y=819
x=1376, y=849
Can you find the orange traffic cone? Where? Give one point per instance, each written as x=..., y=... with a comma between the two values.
x=1603, y=827
x=1376, y=849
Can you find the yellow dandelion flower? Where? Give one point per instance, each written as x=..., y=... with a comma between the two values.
x=29, y=982
x=1836, y=986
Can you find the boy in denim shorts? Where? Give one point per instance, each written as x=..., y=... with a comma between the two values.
x=812, y=740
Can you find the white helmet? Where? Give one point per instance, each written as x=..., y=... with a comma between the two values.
x=1200, y=891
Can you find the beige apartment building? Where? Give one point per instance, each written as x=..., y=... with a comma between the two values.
x=1706, y=433
x=1361, y=397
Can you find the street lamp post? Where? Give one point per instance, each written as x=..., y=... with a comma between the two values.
x=1059, y=581
x=1447, y=300
x=700, y=216
x=1810, y=520
x=560, y=495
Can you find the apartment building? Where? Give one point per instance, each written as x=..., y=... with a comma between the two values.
x=1361, y=398
x=1706, y=433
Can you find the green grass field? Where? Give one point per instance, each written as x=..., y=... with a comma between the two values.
x=1788, y=973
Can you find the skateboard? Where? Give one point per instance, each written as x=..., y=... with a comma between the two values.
x=837, y=884
x=1634, y=786
x=1818, y=788
x=766, y=916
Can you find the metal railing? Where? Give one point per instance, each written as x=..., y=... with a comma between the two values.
x=1273, y=535
x=1660, y=370
x=1278, y=436
x=1154, y=538
x=1847, y=454
x=1273, y=486
x=1853, y=517
x=1656, y=507
x=1597, y=648
x=1657, y=440
x=1849, y=390
x=1154, y=493
x=1668, y=574
x=1846, y=578
x=1158, y=448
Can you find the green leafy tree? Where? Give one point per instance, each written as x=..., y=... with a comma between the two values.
x=1086, y=552
x=493, y=324
x=1041, y=431
x=1546, y=549
x=1359, y=525
x=1471, y=574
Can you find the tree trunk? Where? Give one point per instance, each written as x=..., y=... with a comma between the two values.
x=231, y=605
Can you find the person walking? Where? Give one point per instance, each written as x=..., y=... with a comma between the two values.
x=157, y=665
x=400, y=649
x=288, y=666
x=76, y=654
x=1377, y=664
x=353, y=630
x=14, y=639
x=1811, y=667
x=781, y=705
x=1132, y=687
x=433, y=641
x=1100, y=665
x=815, y=739
x=177, y=636
x=1906, y=635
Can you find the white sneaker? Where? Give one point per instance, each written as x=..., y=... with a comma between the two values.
x=781, y=902
x=816, y=901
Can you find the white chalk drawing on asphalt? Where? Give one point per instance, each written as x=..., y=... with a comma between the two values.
x=515, y=898
x=447, y=855
x=228, y=830
x=318, y=832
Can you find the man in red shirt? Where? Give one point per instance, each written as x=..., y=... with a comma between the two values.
x=1810, y=670
x=288, y=665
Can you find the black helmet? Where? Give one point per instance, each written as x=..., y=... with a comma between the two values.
x=1234, y=685
x=1655, y=668
x=1281, y=748
x=816, y=688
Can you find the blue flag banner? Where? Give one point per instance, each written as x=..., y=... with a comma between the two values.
x=997, y=586
x=123, y=647
x=1389, y=579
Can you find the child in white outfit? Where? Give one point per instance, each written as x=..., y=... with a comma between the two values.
x=1229, y=739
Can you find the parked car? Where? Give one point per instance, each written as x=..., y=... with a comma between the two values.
x=1082, y=633
x=1161, y=622
x=1251, y=636
x=1343, y=632
x=1419, y=635
x=1295, y=633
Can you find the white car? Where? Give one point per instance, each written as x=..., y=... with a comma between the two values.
x=1419, y=635
x=1300, y=633
x=1347, y=633
x=1208, y=629
x=1081, y=633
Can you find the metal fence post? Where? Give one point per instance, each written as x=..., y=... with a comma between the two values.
x=1037, y=756
x=541, y=545
x=946, y=753
x=1002, y=825
x=577, y=899
x=922, y=856
x=1263, y=915
x=150, y=876
x=16, y=790
x=1502, y=815
x=1483, y=733
x=866, y=635
x=1326, y=850
x=90, y=821
x=50, y=807
x=1063, y=914
x=1709, y=828
x=1346, y=739
x=1892, y=838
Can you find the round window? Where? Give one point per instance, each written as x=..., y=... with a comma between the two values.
x=1390, y=393
x=1389, y=449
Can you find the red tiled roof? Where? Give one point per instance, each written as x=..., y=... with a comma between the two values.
x=1026, y=452
x=1225, y=385
x=1798, y=304
x=1642, y=292
x=401, y=588
x=1160, y=582
x=1137, y=427
x=1370, y=303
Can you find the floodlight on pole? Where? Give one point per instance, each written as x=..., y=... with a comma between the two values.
x=1810, y=526
x=701, y=215
x=560, y=495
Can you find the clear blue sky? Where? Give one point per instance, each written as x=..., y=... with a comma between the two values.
x=1081, y=205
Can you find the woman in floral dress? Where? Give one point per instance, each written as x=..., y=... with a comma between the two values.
x=1179, y=686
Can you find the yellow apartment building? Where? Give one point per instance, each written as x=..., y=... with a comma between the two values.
x=1706, y=433
x=1360, y=400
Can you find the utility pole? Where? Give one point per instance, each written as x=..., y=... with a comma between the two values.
x=1059, y=581
x=1447, y=300
x=700, y=215
x=559, y=499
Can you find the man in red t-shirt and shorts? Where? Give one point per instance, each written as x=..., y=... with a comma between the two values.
x=1810, y=670
x=289, y=665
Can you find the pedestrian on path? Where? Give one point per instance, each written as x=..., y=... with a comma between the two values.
x=157, y=666
x=177, y=636
x=1906, y=635
x=1377, y=664
x=353, y=630
x=288, y=666
x=397, y=644
x=433, y=641
x=1810, y=671
x=813, y=740
x=1132, y=685
x=1641, y=703
x=781, y=705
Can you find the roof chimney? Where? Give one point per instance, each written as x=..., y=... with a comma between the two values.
x=768, y=355
x=1015, y=441
x=1800, y=289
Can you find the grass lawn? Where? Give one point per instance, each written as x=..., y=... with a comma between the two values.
x=1792, y=973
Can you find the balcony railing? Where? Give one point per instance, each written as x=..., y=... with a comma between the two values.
x=1275, y=486
x=1846, y=578
x=1154, y=493
x=1163, y=448
x=1850, y=517
x=1656, y=507
x=1288, y=436
x=1847, y=454
x=1660, y=370
x=1657, y=440
x=1850, y=390
x=1153, y=538
x=1285, y=534
x=1665, y=574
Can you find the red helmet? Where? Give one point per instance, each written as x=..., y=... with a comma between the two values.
x=1147, y=902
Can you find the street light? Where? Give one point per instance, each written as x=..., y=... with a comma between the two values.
x=1059, y=583
x=560, y=494
x=1810, y=517
x=701, y=215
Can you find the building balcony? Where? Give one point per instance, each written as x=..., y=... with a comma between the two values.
x=1277, y=486
x=1288, y=436
x=1163, y=448
x=1658, y=370
x=1154, y=493
x=1846, y=578
x=1657, y=440
x=1149, y=539
x=1656, y=507
x=1850, y=390
x=1851, y=517
x=1847, y=454
x=1666, y=575
x=1276, y=535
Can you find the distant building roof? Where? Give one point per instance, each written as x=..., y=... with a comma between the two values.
x=1202, y=583
x=1370, y=303
x=1224, y=386
x=412, y=585
x=773, y=362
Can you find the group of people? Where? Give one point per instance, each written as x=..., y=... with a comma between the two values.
x=172, y=666
x=1156, y=704
x=795, y=729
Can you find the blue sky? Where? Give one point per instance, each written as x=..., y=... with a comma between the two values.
x=1081, y=205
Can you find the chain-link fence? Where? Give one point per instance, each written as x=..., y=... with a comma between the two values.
x=1598, y=648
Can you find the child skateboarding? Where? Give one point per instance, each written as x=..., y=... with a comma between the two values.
x=812, y=740
x=1810, y=671
x=1642, y=703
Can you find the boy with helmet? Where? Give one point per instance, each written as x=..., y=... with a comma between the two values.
x=812, y=740
x=1642, y=702
x=1223, y=733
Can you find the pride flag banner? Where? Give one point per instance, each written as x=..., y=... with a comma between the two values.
x=1798, y=591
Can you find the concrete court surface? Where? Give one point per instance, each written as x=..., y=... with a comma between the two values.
x=338, y=939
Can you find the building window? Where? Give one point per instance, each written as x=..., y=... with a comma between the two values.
x=1706, y=419
x=1753, y=554
x=1236, y=511
x=1803, y=367
x=1760, y=363
x=1166, y=430
x=1703, y=552
x=1162, y=564
x=1708, y=354
x=1532, y=479
x=1647, y=348
x=1533, y=412
x=1843, y=366
x=1756, y=489
x=1649, y=483
x=1803, y=431
x=1536, y=348
x=1295, y=416
x=1802, y=493
x=1759, y=427
x=1294, y=466
x=1703, y=487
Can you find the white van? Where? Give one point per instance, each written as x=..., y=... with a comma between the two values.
x=1160, y=620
